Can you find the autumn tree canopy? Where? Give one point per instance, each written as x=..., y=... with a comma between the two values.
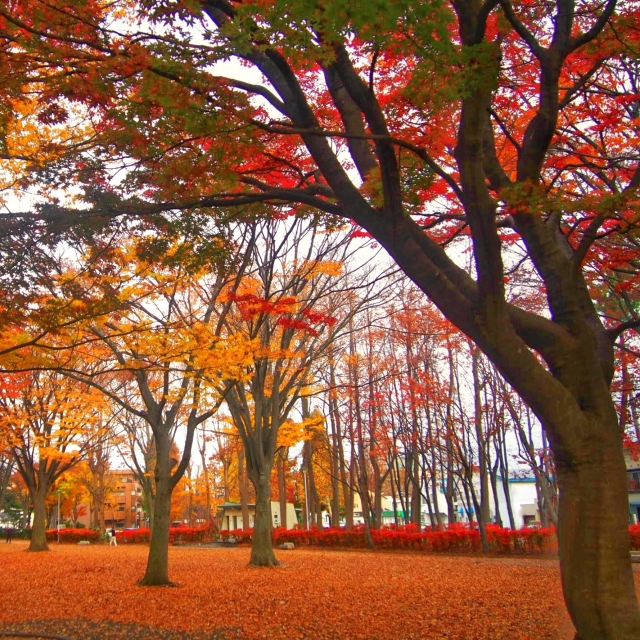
x=508, y=128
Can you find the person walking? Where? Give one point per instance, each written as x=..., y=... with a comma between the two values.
x=113, y=541
x=9, y=534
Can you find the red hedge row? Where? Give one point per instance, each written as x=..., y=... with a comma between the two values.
x=73, y=535
x=135, y=535
x=240, y=535
x=456, y=538
x=176, y=534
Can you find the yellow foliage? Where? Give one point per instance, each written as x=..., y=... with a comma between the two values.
x=291, y=432
x=29, y=141
x=309, y=269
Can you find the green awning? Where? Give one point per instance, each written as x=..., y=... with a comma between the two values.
x=389, y=514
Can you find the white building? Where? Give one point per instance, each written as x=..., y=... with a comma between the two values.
x=230, y=515
x=522, y=491
x=523, y=498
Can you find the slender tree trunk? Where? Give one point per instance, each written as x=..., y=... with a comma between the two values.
x=335, y=483
x=433, y=467
x=548, y=498
x=544, y=520
x=504, y=472
x=314, y=507
x=484, y=514
x=205, y=472
x=478, y=509
x=404, y=502
x=378, y=480
x=494, y=489
x=337, y=453
x=450, y=488
x=394, y=500
x=244, y=491
x=366, y=513
x=347, y=491
x=100, y=507
x=432, y=519
x=281, y=461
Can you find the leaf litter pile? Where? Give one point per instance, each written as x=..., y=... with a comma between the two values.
x=86, y=592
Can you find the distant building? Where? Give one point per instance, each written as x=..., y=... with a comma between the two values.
x=522, y=492
x=230, y=515
x=387, y=511
x=123, y=507
x=633, y=482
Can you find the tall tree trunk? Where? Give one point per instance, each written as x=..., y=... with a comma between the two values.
x=207, y=485
x=484, y=515
x=335, y=470
x=449, y=464
x=157, y=572
x=478, y=509
x=416, y=493
x=544, y=519
x=262, y=554
x=433, y=467
x=38, y=530
x=378, y=480
x=281, y=461
x=433, y=523
x=244, y=491
x=494, y=489
x=339, y=472
x=314, y=507
x=593, y=537
x=363, y=479
x=402, y=496
x=100, y=507
x=394, y=499
x=354, y=469
x=348, y=492
x=504, y=473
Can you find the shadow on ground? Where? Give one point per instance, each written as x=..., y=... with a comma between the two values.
x=82, y=629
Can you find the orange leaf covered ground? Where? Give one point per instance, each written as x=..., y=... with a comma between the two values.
x=317, y=594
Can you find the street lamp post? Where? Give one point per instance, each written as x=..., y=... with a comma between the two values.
x=58, y=515
x=303, y=468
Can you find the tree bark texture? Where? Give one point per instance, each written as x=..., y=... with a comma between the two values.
x=262, y=554
x=38, y=529
x=593, y=538
x=157, y=571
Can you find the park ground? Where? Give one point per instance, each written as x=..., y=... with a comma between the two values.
x=87, y=592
